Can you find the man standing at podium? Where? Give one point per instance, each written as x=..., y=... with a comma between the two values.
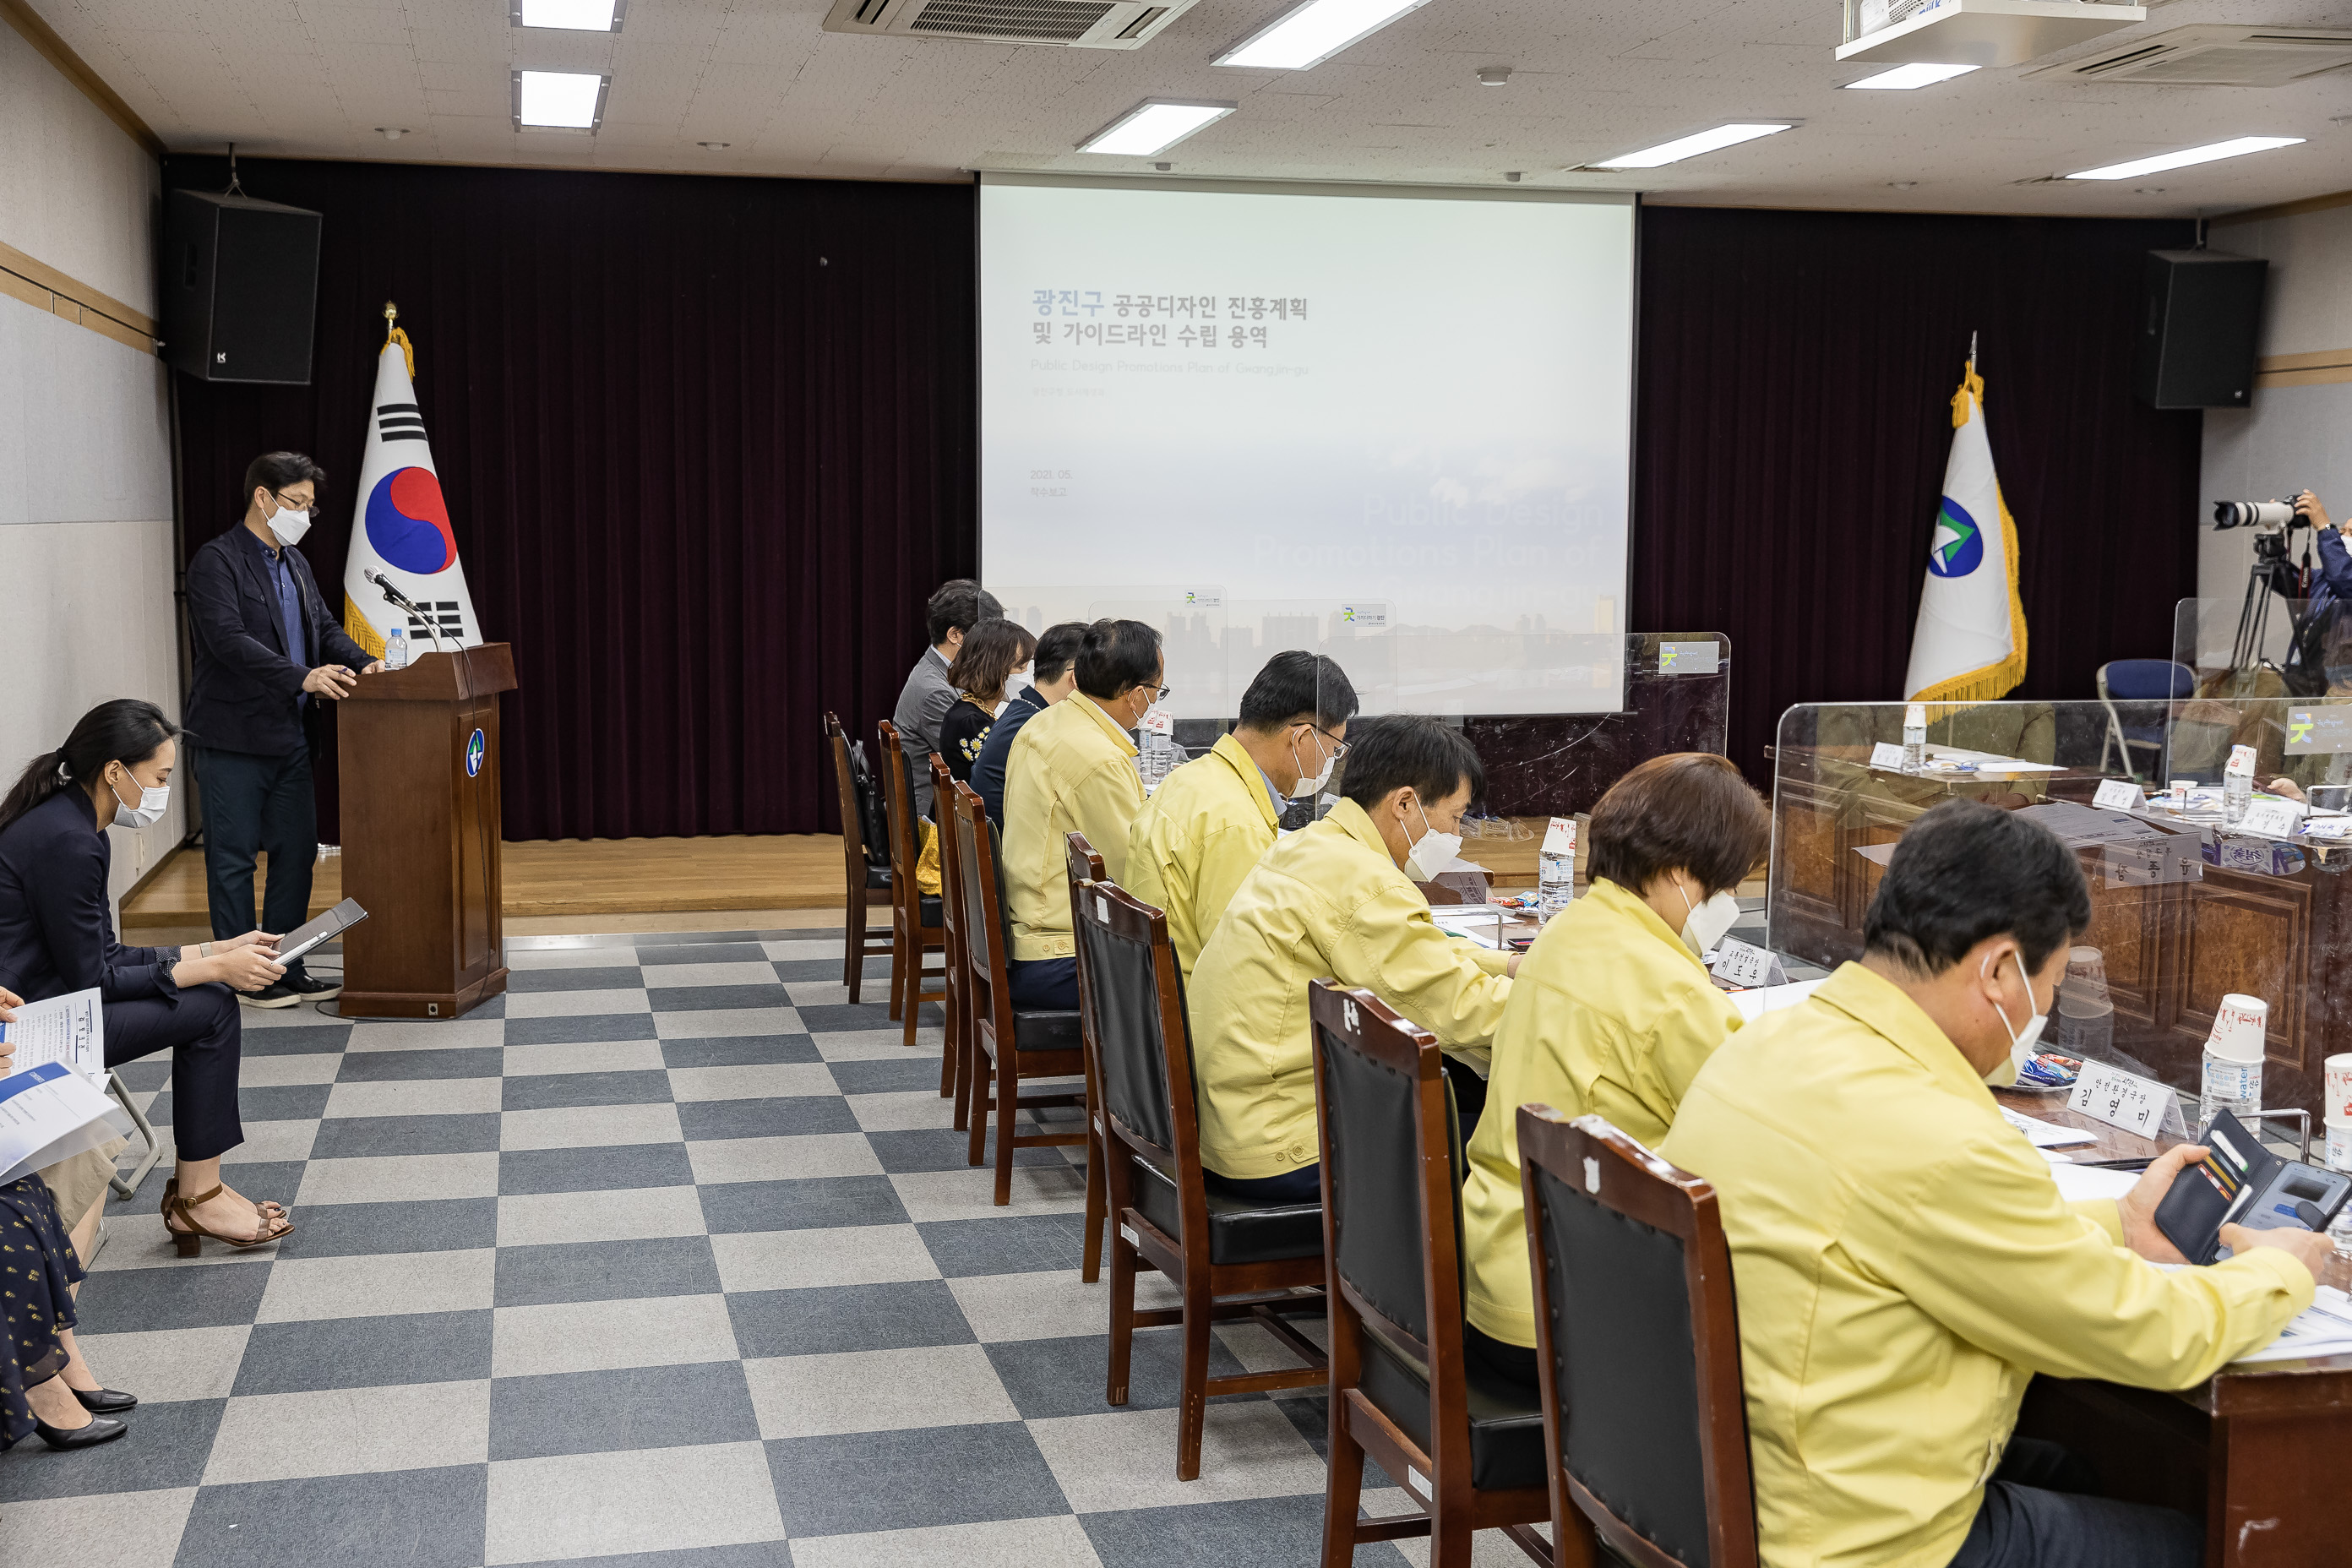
x=267, y=650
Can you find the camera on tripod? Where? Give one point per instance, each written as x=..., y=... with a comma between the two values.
x=2272, y=521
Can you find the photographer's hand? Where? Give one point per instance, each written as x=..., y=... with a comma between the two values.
x=2314, y=510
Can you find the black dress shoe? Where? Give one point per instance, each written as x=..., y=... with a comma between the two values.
x=100, y=1431
x=310, y=988
x=276, y=994
x=106, y=1401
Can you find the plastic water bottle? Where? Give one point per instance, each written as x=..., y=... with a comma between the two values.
x=1556, y=883
x=1914, y=738
x=395, y=649
x=2238, y=785
x=1155, y=759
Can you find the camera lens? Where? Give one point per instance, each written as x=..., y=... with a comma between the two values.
x=2252, y=513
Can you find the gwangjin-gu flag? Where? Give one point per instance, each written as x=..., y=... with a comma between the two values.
x=400, y=525
x=1969, y=643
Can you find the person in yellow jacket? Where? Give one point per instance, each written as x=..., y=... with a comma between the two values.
x=1071, y=769
x=1902, y=1260
x=1208, y=823
x=1612, y=1013
x=1337, y=898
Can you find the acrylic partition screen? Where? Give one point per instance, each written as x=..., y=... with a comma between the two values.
x=2187, y=908
x=1538, y=765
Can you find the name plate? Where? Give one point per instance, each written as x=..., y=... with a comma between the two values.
x=1888, y=756
x=2119, y=795
x=2127, y=1101
x=2271, y=819
x=1744, y=964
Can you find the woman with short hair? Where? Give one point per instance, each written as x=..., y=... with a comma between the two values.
x=57, y=937
x=1613, y=1014
x=993, y=652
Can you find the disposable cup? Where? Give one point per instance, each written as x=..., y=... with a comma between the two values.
x=2339, y=1105
x=2240, y=1026
x=2339, y=1145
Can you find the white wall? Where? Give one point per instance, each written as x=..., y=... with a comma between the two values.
x=2293, y=437
x=85, y=564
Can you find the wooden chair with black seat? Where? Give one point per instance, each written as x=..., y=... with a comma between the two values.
x=866, y=867
x=915, y=929
x=955, y=1082
x=1227, y=1257
x=1085, y=867
x=1006, y=1045
x=1645, y=1422
x=1468, y=1446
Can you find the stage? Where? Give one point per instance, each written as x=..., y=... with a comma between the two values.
x=557, y=887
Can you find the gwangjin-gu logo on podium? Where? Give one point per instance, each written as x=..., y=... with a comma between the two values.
x=1958, y=547
x=476, y=749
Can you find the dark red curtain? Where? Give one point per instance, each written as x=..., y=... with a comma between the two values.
x=706, y=444
x=1794, y=416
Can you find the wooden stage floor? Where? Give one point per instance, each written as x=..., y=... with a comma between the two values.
x=566, y=879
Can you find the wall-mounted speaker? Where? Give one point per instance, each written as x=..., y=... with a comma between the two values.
x=2198, y=328
x=240, y=287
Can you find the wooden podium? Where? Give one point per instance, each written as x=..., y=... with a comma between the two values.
x=418, y=750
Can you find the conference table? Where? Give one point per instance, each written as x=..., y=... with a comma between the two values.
x=2260, y=1443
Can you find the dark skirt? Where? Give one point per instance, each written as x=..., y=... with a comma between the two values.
x=37, y=1270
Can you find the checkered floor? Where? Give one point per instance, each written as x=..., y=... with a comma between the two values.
x=667, y=1258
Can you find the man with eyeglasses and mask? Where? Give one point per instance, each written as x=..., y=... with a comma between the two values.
x=1211, y=820
x=267, y=649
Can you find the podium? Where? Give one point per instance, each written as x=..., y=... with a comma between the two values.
x=418, y=750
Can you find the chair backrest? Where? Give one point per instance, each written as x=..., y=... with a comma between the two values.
x=986, y=940
x=1644, y=1419
x=905, y=846
x=1131, y=1007
x=2146, y=680
x=951, y=884
x=1390, y=1215
x=853, y=825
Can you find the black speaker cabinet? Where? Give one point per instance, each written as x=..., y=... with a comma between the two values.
x=240, y=287
x=2201, y=320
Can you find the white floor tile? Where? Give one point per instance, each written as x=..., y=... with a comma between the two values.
x=1126, y=1458
x=594, y=1055
x=876, y=1391
x=808, y=1155
x=648, y=1499
x=399, y=1178
x=588, y=1126
x=428, y=1035
x=757, y=1080
x=576, y=1003
x=744, y=972
x=600, y=1336
x=375, y=1286
x=119, y=1530
x=972, y=1194
x=1058, y=1543
x=351, y=1432
x=1051, y=1304
x=903, y=1110
x=416, y=1097
x=628, y=1214
x=163, y=1366
x=838, y=1255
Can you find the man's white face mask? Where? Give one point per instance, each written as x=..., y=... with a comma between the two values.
x=1431, y=852
x=2021, y=1042
x=288, y=524
x=1309, y=788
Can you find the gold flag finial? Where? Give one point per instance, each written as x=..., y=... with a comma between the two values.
x=390, y=314
x=393, y=334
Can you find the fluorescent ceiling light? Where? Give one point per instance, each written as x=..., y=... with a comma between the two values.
x=564, y=99
x=581, y=15
x=1682, y=147
x=1901, y=78
x=2206, y=154
x=1315, y=32
x=1153, y=126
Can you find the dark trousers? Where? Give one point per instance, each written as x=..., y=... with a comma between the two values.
x=2038, y=1513
x=1304, y=1186
x=1044, y=985
x=251, y=804
x=200, y=1028
x=1500, y=1358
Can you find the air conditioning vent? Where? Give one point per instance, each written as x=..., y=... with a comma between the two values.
x=1069, y=24
x=2215, y=56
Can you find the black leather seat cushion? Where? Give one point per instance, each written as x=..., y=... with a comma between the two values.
x=1506, y=1436
x=877, y=876
x=927, y=911
x=1239, y=1230
x=1042, y=1030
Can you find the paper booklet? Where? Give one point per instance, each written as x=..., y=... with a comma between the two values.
x=69, y=1029
x=51, y=1113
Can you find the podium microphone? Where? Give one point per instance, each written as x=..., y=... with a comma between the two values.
x=394, y=596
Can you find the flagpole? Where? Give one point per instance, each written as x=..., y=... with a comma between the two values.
x=1972, y=342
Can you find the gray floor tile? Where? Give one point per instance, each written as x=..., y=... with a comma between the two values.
x=524, y=1171
x=634, y=1407
x=146, y=1075
x=1016, y=1244
x=168, y=1448
x=740, y=1050
x=791, y=971
x=914, y=1069
x=944, y=1149
x=709, y=952
x=807, y=1204
x=780, y=1118
x=576, y=1003
x=522, y=982
x=355, y=1230
x=578, y=1029
x=293, y=1040
x=1257, y=1529
x=704, y=998
x=872, y=1014
x=549, y=1091
x=753, y=1554
x=909, y=1479
x=387, y=1066
x=136, y=1300
x=713, y=1494
x=365, y=1352
x=356, y=1137
x=606, y=1271
x=407, y=1519
x=847, y=1318
x=292, y=1102
x=1066, y=1376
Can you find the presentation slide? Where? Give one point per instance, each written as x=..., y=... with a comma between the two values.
x=1393, y=425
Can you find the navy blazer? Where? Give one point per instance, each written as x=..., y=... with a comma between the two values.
x=246, y=678
x=57, y=933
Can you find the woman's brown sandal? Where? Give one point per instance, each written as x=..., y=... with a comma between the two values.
x=271, y=1208
x=188, y=1236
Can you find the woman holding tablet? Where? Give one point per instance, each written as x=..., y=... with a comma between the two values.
x=57, y=937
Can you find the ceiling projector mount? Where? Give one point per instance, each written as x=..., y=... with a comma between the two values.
x=1975, y=32
x=1067, y=24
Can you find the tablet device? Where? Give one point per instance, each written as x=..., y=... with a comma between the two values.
x=326, y=928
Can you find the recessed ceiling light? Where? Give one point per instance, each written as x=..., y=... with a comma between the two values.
x=1315, y=32
x=1494, y=75
x=1682, y=147
x=1901, y=78
x=1153, y=126
x=579, y=15
x=714, y=146
x=561, y=101
x=2237, y=147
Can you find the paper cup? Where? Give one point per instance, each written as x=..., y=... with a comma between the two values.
x=2240, y=1028
x=2338, y=1107
x=2339, y=1145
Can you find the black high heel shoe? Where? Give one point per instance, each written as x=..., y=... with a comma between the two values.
x=106, y=1401
x=100, y=1431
